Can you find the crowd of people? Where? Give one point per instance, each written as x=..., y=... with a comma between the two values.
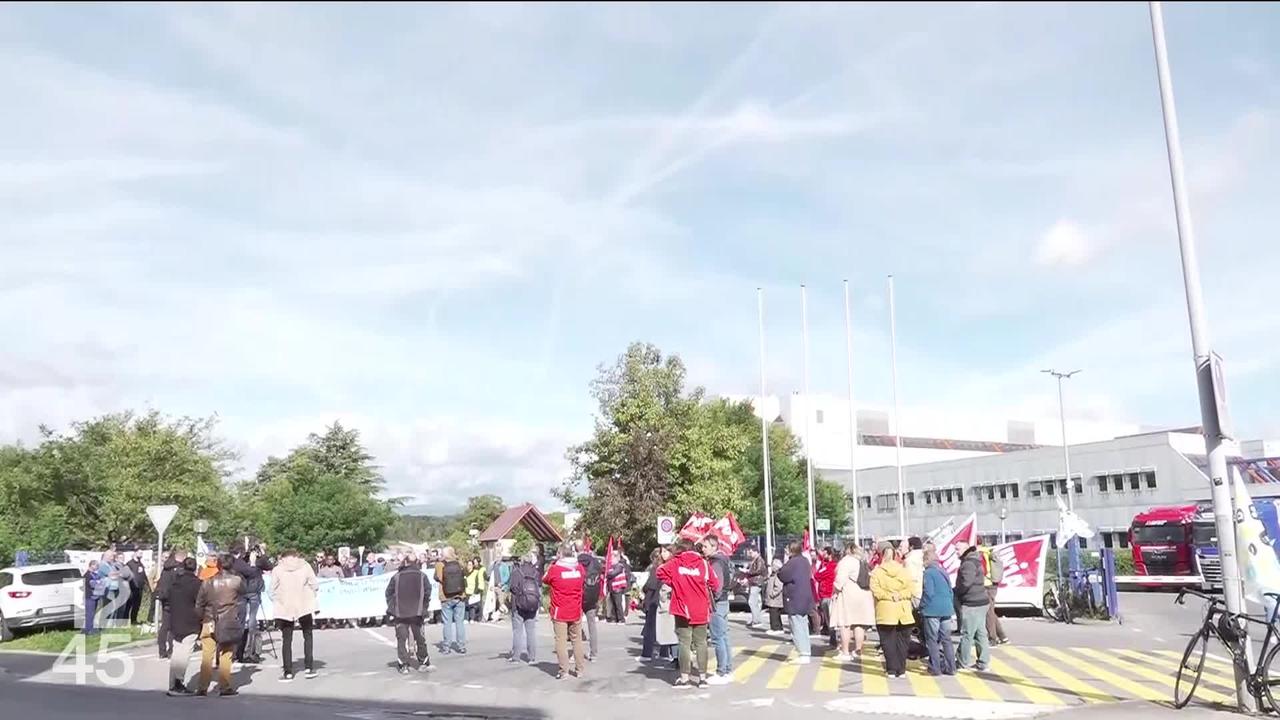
x=900, y=590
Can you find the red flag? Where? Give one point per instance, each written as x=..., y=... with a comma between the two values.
x=697, y=527
x=807, y=547
x=729, y=532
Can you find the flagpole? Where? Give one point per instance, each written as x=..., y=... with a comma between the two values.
x=853, y=416
x=764, y=437
x=897, y=412
x=808, y=410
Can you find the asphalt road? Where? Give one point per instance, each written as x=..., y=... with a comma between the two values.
x=1069, y=670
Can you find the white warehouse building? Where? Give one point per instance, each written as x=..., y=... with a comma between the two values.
x=953, y=466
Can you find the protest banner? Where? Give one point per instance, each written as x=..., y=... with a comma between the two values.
x=1023, y=582
x=343, y=598
x=950, y=547
x=697, y=526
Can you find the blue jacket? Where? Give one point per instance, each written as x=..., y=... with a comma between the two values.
x=935, y=598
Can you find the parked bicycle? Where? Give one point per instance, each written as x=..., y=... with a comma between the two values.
x=1057, y=603
x=1232, y=631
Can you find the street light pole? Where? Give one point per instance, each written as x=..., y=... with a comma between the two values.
x=1213, y=401
x=1062, y=417
x=1004, y=512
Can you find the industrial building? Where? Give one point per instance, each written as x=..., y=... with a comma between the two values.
x=953, y=466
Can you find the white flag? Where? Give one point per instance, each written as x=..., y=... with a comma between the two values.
x=1071, y=525
x=1259, y=568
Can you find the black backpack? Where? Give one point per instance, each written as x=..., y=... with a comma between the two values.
x=454, y=581
x=527, y=594
x=864, y=577
x=590, y=588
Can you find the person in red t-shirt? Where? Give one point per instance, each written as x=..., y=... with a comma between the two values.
x=824, y=573
x=692, y=584
x=566, y=578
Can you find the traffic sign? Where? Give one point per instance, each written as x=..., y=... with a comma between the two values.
x=161, y=516
x=823, y=525
x=666, y=530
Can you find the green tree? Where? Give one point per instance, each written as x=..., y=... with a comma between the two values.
x=321, y=496
x=480, y=513
x=90, y=485
x=622, y=477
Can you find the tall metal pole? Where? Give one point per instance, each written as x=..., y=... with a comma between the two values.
x=808, y=412
x=764, y=438
x=897, y=412
x=1213, y=418
x=1062, y=418
x=853, y=417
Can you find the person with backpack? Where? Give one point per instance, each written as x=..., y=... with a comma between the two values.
x=179, y=594
x=853, y=609
x=591, y=591
x=692, y=585
x=526, y=599
x=994, y=574
x=477, y=585
x=408, y=597
x=566, y=580
x=722, y=569
x=453, y=610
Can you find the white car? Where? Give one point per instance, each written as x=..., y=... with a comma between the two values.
x=36, y=596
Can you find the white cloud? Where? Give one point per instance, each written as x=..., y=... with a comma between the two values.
x=1064, y=245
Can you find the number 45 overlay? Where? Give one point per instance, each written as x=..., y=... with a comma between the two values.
x=74, y=660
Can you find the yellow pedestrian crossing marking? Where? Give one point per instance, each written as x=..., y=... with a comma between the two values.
x=785, y=675
x=1163, y=678
x=1031, y=691
x=1209, y=663
x=1135, y=689
x=828, y=679
x=1055, y=676
x=922, y=683
x=1084, y=690
x=755, y=660
x=874, y=680
x=1223, y=681
x=712, y=664
x=976, y=687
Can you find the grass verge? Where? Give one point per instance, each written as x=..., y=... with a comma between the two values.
x=55, y=641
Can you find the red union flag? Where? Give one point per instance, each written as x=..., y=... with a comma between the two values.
x=950, y=547
x=729, y=532
x=1023, y=580
x=697, y=527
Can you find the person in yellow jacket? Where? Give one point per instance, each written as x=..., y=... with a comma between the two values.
x=477, y=584
x=892, y=587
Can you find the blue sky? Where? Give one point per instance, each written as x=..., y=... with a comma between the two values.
x=435, y=221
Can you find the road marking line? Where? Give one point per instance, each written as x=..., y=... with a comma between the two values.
x=828, y=679
x=784, y=676
x=922, y=683
x=1029, y=690
x=977, y=688
x=379, y=637
x=1136, y=689
x=755, y=660
x=1082, y=689
x=1225, y=663
x=713, y=664
x=874, y=680
x=1149, y=674
x=1207, y=675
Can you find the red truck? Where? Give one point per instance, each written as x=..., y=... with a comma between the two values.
x=1164, y=539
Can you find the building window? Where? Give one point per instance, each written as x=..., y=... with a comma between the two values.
x=1117, y=482
x=1003, y=491
x=1049, y=486
x=948, y=494
x=1084, y=543
x=959, y=495
x=911, y=498
x=1033, y=488
x=1135, y=482
x=1123, y=537
x=1102, y=482
x=991, y=492
x=1077, y=485
x=819, y=417
x=1106, y=539
x=1062, y=486
x=1150, y=477
x=865, y=501
x=1013, y=488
